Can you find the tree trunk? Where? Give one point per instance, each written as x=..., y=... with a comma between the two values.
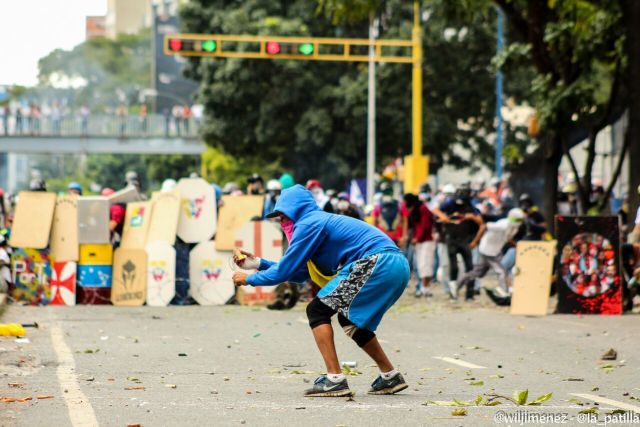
x=633, y=54
x=552, y=156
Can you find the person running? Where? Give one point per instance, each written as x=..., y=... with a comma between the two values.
x=498, y=234
x=363, y=274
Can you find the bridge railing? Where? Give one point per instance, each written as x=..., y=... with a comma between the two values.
x=100, y=125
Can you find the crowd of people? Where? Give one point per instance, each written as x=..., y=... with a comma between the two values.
x=58, y=118
x=452, y=236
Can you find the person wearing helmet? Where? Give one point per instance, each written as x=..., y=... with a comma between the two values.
x=74, y=188
x=273, y=192
x=535, y=222
x=168, y=185
x=497, y=235
x=37, y=184
x=286, y=181
x=462, y=227
x=255, y=185
x=131, y=179
x=362, y=274
x=390, y=216
x=322, y=200
x=230, y=188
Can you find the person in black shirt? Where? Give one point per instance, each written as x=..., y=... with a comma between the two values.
x=463, y=227
x=535, y=222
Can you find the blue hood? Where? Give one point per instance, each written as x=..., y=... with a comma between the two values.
x=295, y=202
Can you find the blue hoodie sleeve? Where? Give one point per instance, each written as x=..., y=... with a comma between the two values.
x=304, y=243
x=265, y=264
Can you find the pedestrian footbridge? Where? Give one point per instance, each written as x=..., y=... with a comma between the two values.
x=153, y=134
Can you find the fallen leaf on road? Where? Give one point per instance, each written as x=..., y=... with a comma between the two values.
x=296, y=372
x=477, y=383
x=171, y=386
x=91, y=351
x=44, y=397
x=592, y=410
x=576, y=402
x=15, y=399
x=134, y=388
x=16, y=385
x=350, y=371
x=573, y=379
x=460, y=412
x=134, y=379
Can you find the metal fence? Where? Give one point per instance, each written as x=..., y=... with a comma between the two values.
x=153, y=125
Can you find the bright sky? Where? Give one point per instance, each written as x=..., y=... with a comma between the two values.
x=30, y=29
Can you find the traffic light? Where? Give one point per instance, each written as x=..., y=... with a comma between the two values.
x=278, y=48
x=306, y=48
x=273, y=48
x=187, y=46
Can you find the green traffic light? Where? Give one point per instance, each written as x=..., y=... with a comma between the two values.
x=306, y=48
x=209, y=46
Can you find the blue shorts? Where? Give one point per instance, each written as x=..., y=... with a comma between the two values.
x=364, y=290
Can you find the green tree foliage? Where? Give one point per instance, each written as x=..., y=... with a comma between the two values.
x=577, y=49
x=310, y=117
x=108, y=170
x=105, y=72
x=220, y=167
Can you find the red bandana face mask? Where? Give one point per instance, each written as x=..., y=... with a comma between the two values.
x=287, y=228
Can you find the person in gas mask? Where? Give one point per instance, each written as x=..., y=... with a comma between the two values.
x=322, y=200
x=273, y=192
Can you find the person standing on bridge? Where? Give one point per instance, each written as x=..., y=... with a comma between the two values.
x=362, y=274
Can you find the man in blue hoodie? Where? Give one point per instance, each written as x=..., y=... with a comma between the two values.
x=362, y=273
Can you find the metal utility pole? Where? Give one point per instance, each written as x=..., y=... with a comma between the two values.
x=499, y=93
x=371, y=111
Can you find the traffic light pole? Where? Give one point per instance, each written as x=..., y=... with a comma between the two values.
x=371, y=113
x=329, y=49
x=417, y=165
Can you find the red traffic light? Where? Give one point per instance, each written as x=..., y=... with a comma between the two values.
x=175, y=44
x=273, y=48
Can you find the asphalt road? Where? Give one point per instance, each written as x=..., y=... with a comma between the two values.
x=231, y=365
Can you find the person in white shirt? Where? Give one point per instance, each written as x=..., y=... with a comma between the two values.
x=495, y=237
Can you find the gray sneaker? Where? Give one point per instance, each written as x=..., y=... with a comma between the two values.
x=390, y=386
x=324, y=387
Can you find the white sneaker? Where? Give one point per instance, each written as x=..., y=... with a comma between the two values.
x=500, y=292
x=453, y=289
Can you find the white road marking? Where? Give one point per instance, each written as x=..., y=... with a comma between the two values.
x=460, y=362
x=80, y=410
x=606, y=401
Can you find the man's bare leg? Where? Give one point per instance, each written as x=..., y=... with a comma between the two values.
x=323, y=335
x=375, y=351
